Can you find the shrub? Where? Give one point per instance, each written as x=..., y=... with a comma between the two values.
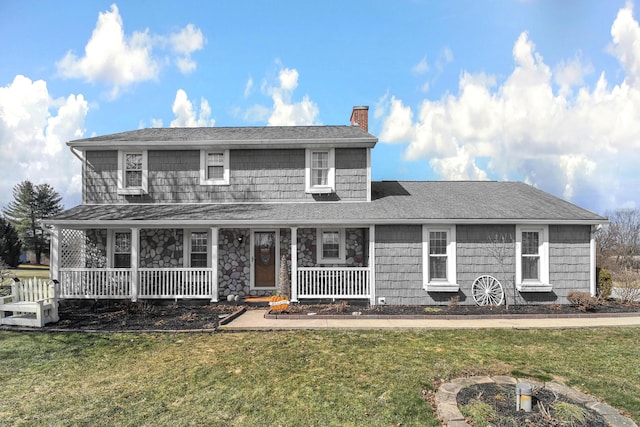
x=605, y=283
x=628, y=286
x=583, y=300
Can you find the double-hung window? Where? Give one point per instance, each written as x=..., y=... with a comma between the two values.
x=331, y=246
x=319, y=168
x=439, y=258
x=132, y=172
x=122, y=249
x=532, y=259
x=530, y=255
x=320, y=171
x=199, y=249
x=214, y=167
x=437, y=255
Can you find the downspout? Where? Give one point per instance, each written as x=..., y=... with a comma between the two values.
x=85, y=163
x=593, y=281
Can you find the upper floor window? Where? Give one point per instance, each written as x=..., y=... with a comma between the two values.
x=199, y=249
x=439, y=258
x=331, y=246
x=122, y=249
x=214, y=167
x=532, y=259
x=320, y=171
x=132, y=172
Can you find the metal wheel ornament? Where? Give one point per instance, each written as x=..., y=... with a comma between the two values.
x=487, y=290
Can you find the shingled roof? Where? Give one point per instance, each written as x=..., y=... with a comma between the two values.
x=279, y=136
x=393, y=202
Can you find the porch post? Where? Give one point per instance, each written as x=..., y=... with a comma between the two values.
x=372, y=264
x=214, y=264
x=54, y=259
x=592, y=263
x=294, y=264
x=135, y=261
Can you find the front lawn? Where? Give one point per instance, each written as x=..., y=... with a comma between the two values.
x=291, y=378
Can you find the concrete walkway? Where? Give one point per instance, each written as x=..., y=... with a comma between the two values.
x=254, y=320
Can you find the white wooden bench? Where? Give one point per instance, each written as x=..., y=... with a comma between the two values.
x=31, y=303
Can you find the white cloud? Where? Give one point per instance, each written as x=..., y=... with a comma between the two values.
x=248, y=88
x=187, y=116
x=33, y=131
x=625, y=33
x=571, y=73
x=421, y=67
x=119, y=60
x=542, y=126
x=286, y=112
x=184, y=43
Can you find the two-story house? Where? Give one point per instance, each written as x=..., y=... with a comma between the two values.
x=212, y=212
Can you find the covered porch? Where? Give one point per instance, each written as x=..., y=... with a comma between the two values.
x=213, y=263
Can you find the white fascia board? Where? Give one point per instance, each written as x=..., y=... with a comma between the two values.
x=225, y=144
x=306, y=222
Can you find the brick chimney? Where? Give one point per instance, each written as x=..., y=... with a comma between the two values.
x=360, y=117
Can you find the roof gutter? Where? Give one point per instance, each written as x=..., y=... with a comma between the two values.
x=107, y=223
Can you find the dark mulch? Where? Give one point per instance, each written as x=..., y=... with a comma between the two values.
x=547, y=411
x=141, y=315
x=193, y=315
x=359, y=308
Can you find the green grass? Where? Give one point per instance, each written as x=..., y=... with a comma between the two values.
x=480, y=412
x=291, y=378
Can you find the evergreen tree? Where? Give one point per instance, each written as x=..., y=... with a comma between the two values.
x=10, y=244
x=31, y=204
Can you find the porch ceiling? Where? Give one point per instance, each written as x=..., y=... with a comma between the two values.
x=393, y=202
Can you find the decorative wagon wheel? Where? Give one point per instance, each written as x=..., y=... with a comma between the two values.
x=487, y=290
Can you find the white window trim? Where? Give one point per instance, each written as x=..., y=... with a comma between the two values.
x=543, y=284
x=187, y=246
x=319, y=247
x=122, y=189
x=331, y=178
x=203, y=168
x=111, y=245
x=449, y=285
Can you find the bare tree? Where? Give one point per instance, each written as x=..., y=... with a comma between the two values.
x=619, y=242
x=501, y=247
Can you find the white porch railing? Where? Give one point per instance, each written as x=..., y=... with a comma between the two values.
x=334, y=282
x=176, y=283
x=117, y=283
x=100, y=283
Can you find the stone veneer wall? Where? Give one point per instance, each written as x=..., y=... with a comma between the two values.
x=354, y=248
x=234, y=262
x=161, y=248
x=96, y=248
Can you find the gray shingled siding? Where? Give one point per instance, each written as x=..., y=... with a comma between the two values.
x=255, y=175
x=100, y=177
x=569, y=254
x=399, y=263
x=351, y=173
x=477, y=252
x=398, y=253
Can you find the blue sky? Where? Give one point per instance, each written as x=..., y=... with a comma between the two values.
x=546, y=92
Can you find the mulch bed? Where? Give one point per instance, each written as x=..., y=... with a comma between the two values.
x=113, y=316
x=141, y=315
x=548, y=409
x=342, y=308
